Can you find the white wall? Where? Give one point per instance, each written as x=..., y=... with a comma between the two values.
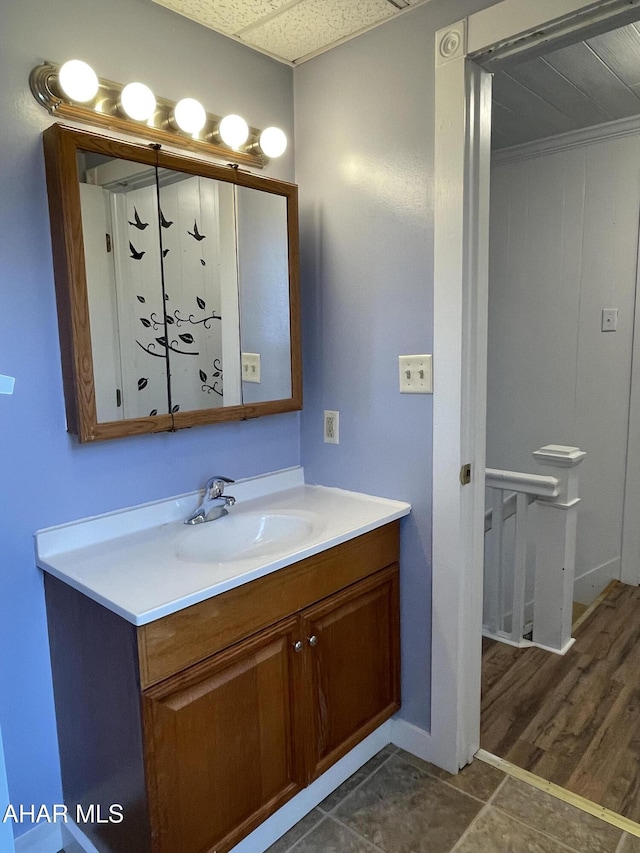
x=564, y=233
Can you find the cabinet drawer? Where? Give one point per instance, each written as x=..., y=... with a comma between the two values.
x=174, y=642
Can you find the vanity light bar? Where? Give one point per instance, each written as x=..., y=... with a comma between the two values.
x=79, y=95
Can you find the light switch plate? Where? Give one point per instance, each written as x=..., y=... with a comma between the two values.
x=609, y=319
x=416, y=374
x=251, y=367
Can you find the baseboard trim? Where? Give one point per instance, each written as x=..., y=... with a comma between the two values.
x=286, y=817
x=75, y=841
x=415, y=740
x=43, y=838
x=588, y=586
x=293, y=811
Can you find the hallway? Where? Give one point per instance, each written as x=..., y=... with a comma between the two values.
x=573, y=720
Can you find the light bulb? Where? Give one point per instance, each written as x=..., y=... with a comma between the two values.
x=138, y=101
x=78, y=80
x=273, y=142
x=190, y=115
x=234, y=131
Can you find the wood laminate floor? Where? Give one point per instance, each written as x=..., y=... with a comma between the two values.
x=573, y=720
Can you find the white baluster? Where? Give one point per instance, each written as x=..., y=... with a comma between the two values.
x=520, y=568
x=495, y=581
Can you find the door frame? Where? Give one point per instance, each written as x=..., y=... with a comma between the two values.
x=630, y=553
x=461, y=220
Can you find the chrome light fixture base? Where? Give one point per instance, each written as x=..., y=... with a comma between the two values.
x=104, y=111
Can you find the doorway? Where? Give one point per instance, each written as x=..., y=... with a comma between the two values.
x=564, y=247
x=463, y=112
x=563, y=268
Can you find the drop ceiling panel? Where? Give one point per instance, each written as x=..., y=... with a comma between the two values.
x=289, y=29
x=226, y=16
x=312, y=24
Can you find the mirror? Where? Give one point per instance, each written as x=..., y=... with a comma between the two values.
x=177, y=287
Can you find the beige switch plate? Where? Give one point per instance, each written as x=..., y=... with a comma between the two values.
x=416, y=374
x=251, y=367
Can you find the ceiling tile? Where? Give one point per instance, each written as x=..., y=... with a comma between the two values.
x=227, y=16
x=313, y=24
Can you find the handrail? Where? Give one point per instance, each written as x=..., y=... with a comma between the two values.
x=541, y=485
x=508, y=509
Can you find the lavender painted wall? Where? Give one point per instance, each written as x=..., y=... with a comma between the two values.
x=364, y=163
x=364, y=134
x=45, y=477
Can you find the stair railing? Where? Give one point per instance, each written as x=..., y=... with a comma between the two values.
x=530, y=563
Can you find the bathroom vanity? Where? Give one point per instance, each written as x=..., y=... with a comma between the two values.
x=202, y=694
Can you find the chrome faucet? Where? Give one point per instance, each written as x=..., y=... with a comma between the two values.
x=214, y=503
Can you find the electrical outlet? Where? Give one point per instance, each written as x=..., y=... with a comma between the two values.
x=415, y=374
x=251, y=367
x=331, y=427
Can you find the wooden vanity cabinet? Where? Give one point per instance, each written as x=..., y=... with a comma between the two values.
x=353, y=667
x=242, y=699
x=223, y=743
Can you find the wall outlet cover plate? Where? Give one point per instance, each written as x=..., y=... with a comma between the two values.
x=331, y=427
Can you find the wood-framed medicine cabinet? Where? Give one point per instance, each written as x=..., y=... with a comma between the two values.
x=177, y=287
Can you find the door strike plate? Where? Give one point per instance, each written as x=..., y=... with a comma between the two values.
x=465, y=475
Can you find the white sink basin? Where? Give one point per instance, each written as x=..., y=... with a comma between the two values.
x=244, y=536
x=144, y=563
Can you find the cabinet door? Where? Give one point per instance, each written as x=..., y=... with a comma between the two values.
x=221, y=744
x=352, y=656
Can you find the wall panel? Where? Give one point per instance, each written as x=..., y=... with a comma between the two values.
x=564, y=230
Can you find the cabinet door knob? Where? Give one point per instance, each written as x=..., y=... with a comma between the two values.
x=297, y=646
x=313, y=640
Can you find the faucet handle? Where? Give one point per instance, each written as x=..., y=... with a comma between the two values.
x=215, y=486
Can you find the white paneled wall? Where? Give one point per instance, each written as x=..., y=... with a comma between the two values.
x=564, y=242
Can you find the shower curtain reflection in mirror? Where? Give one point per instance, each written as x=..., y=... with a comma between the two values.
x=160, y=254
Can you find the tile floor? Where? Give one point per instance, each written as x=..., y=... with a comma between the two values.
x=397, y=803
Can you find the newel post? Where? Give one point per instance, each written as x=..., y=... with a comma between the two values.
x=556, y=549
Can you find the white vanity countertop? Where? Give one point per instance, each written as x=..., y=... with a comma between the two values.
x=137, y=561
